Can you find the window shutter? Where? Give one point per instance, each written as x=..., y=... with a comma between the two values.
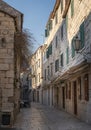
x=72, y=48
x=56, y=65
x=61, y=59
x=72, y=8
x=47, y=53
x=45, y=32
x=66, y=22
x=82, y=35
x=50, y=25
x=67, y=55
x=61, y=6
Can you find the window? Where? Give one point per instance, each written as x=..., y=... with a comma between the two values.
x=66, y=22
x=67, y=55
x=82, y=38
x=49, y=51
x=62, y=32
x=39, y=77
x=86, y=87
x=56, y=18
x=56, y=43
x=45, y=74
x=61, y=59
x=79, y=84
x=39, y=62
x=50, y=25
x=56, y=65
x=48, y=76
x=61, y=6
x=72, y=8
x=72, y=48
x=51, y=69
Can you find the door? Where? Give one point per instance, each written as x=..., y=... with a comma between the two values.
x=63, y=97
x=75, y=97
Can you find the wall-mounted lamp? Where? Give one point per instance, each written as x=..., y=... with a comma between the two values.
x=77, y=48
x=77, y=44
x=3, y=42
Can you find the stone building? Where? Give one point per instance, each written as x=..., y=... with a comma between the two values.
x=66, y=71
x=26, y=88
x=36, y=65
x=10, y=24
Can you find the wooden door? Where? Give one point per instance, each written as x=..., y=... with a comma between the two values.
x=75, y=97
x=63, y=97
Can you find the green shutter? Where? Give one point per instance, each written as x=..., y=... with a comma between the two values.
x=47, y=54
x=67, y=55
x=50, y=49
x=72, y=8
x=82, y=35
x=66, y=22
x=72, y=47
x=61, y=5
x=45, y=32
x=50, y=25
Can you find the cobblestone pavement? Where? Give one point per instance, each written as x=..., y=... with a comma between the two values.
x=40, y=117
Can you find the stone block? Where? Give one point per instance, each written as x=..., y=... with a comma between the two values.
x=11, y=80
x=12, y=67
x=2, y=74
x=7, y=92
x=4, y=66
x=10, y=74
x=3, y=51
x=9, y=85
x=6, y=56
x=4, y=80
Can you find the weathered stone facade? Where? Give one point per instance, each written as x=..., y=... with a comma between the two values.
x=10, y=23
x=36, y=64
x=67, y=74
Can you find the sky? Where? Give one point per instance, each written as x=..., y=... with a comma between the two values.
x=36, y=14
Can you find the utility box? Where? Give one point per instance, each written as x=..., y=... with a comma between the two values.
x=6, y=118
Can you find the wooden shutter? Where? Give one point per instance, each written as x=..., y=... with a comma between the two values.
x=72, y=8
x=82, y=35
x=72, y=48
x=67, y=55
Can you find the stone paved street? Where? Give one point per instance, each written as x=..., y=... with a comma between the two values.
x=40, y=117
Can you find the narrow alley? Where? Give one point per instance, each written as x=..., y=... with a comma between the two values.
x=40, y=117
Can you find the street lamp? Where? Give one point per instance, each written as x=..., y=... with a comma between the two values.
x=77, y=48
x=77, y=44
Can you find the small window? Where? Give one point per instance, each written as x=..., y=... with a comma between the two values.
x=45, y=74
x=72, y=48
x=61, y=60
x=56, y=42
x=61, y=6
x=67, y=55
x=72, y=8
x=56, y=18
x=62, y=32
x=56, y=65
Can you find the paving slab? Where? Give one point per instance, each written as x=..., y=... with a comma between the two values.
x=40, y=117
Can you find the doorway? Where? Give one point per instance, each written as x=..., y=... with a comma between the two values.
x=75, y=97
x=63, y=97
